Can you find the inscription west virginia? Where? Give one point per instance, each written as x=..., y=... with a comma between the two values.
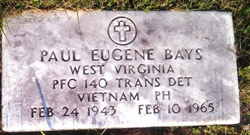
x=118, y=70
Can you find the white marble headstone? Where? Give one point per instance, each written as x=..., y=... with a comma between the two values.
x=63, y=70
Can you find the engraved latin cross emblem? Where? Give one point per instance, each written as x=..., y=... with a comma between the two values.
x=122, y=28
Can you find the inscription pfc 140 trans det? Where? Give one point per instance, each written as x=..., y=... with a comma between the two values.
x=122, y=69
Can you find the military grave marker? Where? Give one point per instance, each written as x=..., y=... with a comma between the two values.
x=118, y=69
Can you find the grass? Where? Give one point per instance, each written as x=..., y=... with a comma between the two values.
x=241, y=19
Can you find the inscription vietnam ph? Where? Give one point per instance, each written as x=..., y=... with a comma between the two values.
x=63, y=71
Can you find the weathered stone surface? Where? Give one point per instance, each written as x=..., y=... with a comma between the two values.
x=180, y=70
